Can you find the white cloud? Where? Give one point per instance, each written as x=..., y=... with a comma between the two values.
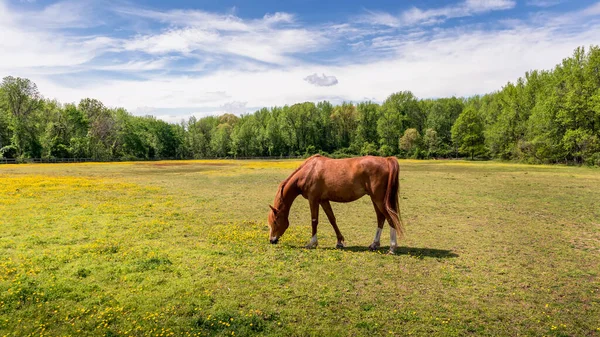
x=591, y=10
x=415, y=16
x=30, y=44
x=543, y=3
x=321, y=81
x=234, y=107
x=61, y=14
x=199, y=33
x=269, y=46
x=279, y=17
x=381, y=19
x=189, y=18
x=31, y=49
x=133, y=66
x=482, y=6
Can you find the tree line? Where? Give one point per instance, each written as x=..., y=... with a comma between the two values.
x=547, y=116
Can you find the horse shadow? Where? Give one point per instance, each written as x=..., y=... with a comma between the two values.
x=411, y=251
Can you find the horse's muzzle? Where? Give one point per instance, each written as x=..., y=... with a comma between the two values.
x=274, y=241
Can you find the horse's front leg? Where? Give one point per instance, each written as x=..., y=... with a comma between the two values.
x=329, y=212
x=314, y=215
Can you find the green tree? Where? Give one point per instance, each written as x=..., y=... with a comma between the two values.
x=162, y=138
x=55, y=138
x=206, y=128
x=467, y=133
x=366, y=129
x=275, y=139
x=441, y=115
x=399, y=112
x=324, y=127
x=133, y=136
x=221, y=140
x=5, y=129
x=344, y=124
x=431, y=142
x=410, y=141
x=245, y=137
x=369, y=149
x=102, y=129
x=23, y=102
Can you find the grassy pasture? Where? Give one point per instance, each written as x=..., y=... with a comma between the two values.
x=181, y=249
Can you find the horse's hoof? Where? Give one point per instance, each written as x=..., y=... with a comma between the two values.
x=392, y=252
x=374, y=246
x=311, y=246
x=339, y=245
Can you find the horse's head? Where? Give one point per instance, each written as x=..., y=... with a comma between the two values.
x=278, y=223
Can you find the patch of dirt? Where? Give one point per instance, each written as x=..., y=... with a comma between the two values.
x=168, y=164
x=215, y=164
x=587, y=242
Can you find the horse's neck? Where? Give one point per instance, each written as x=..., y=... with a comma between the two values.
x=290, y=192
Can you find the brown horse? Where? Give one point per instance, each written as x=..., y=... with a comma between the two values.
x=321, y=180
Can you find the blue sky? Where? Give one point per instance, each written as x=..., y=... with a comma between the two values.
x=174, y=59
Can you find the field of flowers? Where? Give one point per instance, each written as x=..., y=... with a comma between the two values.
x=180, y=248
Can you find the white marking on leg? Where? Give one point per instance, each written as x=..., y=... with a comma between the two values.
x=393, y=243
x=378, y=234
x=313, y=242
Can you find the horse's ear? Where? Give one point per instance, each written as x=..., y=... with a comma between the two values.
x=274, y=209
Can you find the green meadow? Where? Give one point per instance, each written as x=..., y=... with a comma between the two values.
x=181, y=248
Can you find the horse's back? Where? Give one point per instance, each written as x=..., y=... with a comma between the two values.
x=344, y=180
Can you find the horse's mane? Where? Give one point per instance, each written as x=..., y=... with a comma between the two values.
x=284, y=182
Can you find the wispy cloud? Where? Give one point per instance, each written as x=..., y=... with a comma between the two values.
x=543, y=3
x=271, y=46
x=417, y=16
x=272, y=39
x=62, y=14
x=32, y=41
x=134, y=66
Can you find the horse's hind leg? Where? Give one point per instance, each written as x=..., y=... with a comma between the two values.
x=393, y=231
x=382, y=215
x=380, y=221
x=329, y=212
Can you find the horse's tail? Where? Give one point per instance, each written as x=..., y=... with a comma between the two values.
x=391, y=196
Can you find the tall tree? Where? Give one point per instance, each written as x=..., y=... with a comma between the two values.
x=325, y=134
x=410, y=141
x=467, y=133
x=367, y=117
x=344, y=123
x=431, y=142
x=441, y=115
x=5, y=130
x=245, y=137
x=102, y=130
x=221, y=140
x=399, y=112
x=23, y=101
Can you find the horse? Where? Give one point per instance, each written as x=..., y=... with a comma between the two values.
x=320, y=180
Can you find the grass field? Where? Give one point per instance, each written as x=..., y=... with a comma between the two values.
x=181, y=249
